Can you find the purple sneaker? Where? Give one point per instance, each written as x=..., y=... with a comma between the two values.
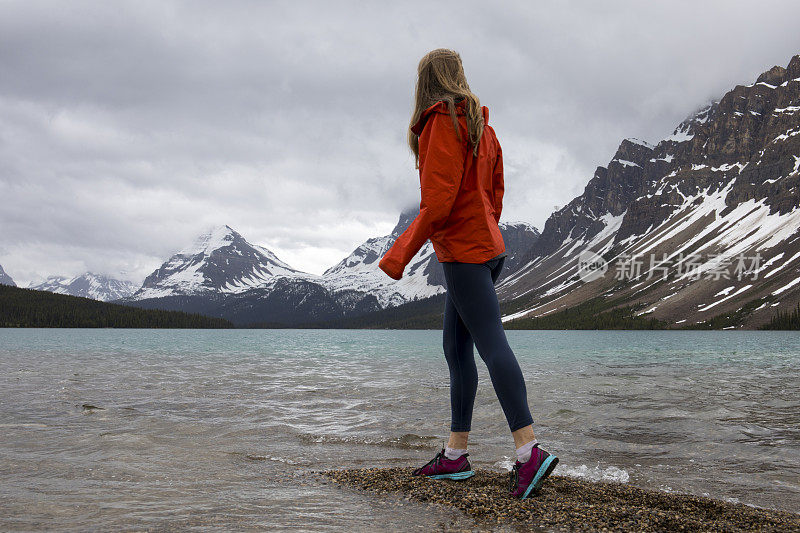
x=527, y=477
x=440, y=467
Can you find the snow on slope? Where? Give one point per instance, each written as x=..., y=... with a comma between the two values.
x=422, y=277
x=88, y=285
x=723, y=186
x=219, y=261
x=5, y=279
x=359, y=271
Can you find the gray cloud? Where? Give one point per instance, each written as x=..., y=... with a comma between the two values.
x=125, y=127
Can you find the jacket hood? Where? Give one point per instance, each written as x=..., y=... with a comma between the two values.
x=441, y=107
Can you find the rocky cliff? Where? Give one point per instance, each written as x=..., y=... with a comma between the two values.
x=703, y=223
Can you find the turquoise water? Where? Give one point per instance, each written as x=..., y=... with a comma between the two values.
x=220, y=429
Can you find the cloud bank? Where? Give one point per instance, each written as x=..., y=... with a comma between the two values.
x=127, y=127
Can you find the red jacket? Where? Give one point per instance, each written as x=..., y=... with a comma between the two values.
x=461, y=195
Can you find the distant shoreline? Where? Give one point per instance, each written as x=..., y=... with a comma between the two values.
x=30, y=308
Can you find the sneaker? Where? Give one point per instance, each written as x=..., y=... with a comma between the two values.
x=527, y=477
x=440, y=467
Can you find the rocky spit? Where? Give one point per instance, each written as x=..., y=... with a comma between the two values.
x=568, y=504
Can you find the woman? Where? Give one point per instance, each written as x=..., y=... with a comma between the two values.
x=461, y=176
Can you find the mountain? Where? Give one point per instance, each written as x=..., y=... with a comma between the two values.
x=423, y=276
x=519, y=238
x=5, y=279
x=359, y=272
x=88, y=285
x=223, y=275
x=220, y=261
x=701, y=229
x=716, y=201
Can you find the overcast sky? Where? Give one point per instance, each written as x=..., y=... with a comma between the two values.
x=128, y=127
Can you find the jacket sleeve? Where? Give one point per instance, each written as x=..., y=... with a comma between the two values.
x=441, y=166
x=498, y=184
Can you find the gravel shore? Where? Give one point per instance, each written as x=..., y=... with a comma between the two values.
x=569, y=504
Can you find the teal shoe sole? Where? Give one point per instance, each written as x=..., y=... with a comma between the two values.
x=456, y=476
x=545, y=470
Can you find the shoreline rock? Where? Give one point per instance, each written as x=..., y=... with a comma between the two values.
x=570, y=504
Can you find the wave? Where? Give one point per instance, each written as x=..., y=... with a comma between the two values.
x=284, y=460
x=406, y=441
x=505, y=463
x=274, y=458
x=595, y=473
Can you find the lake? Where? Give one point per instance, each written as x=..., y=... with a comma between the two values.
x=220, y=429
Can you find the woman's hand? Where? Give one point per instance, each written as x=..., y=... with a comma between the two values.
x=390, y=268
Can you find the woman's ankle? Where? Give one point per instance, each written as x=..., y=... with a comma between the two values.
x=523, y=435
x=458, y=440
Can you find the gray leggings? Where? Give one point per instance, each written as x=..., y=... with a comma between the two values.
x=472, y=314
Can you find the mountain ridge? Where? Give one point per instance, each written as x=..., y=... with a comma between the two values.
x=222, y=274
x=219, y=260
x=88, y=285
x=722, y=190
x=423, y=276
x=724, y=183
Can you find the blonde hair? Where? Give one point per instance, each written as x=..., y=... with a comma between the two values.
x=440, y=77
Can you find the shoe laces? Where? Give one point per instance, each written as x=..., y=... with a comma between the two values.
x=437, y=461
x=514, y=478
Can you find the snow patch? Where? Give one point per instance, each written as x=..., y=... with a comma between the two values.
x=625, y=163
x=740, y=291
x=784, y=136
x=680, y=136
x=787, y=287
x=790, y=110
x=667, y=158
x=725, y=291
x=728, y=166
x=640, y=142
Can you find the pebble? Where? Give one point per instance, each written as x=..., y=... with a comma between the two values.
x=570, y=504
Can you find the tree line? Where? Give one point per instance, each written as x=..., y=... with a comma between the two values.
x=28, y=308
x=785, y=319
x=595, y=313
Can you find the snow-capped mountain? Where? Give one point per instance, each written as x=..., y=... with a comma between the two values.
x=5, y=279
x=359, y=271
x=223, y=275
x=88, y=285
x=519, y=237
x=703, y=224
x=716, y=201
x=220, y=261
x=423, y=276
